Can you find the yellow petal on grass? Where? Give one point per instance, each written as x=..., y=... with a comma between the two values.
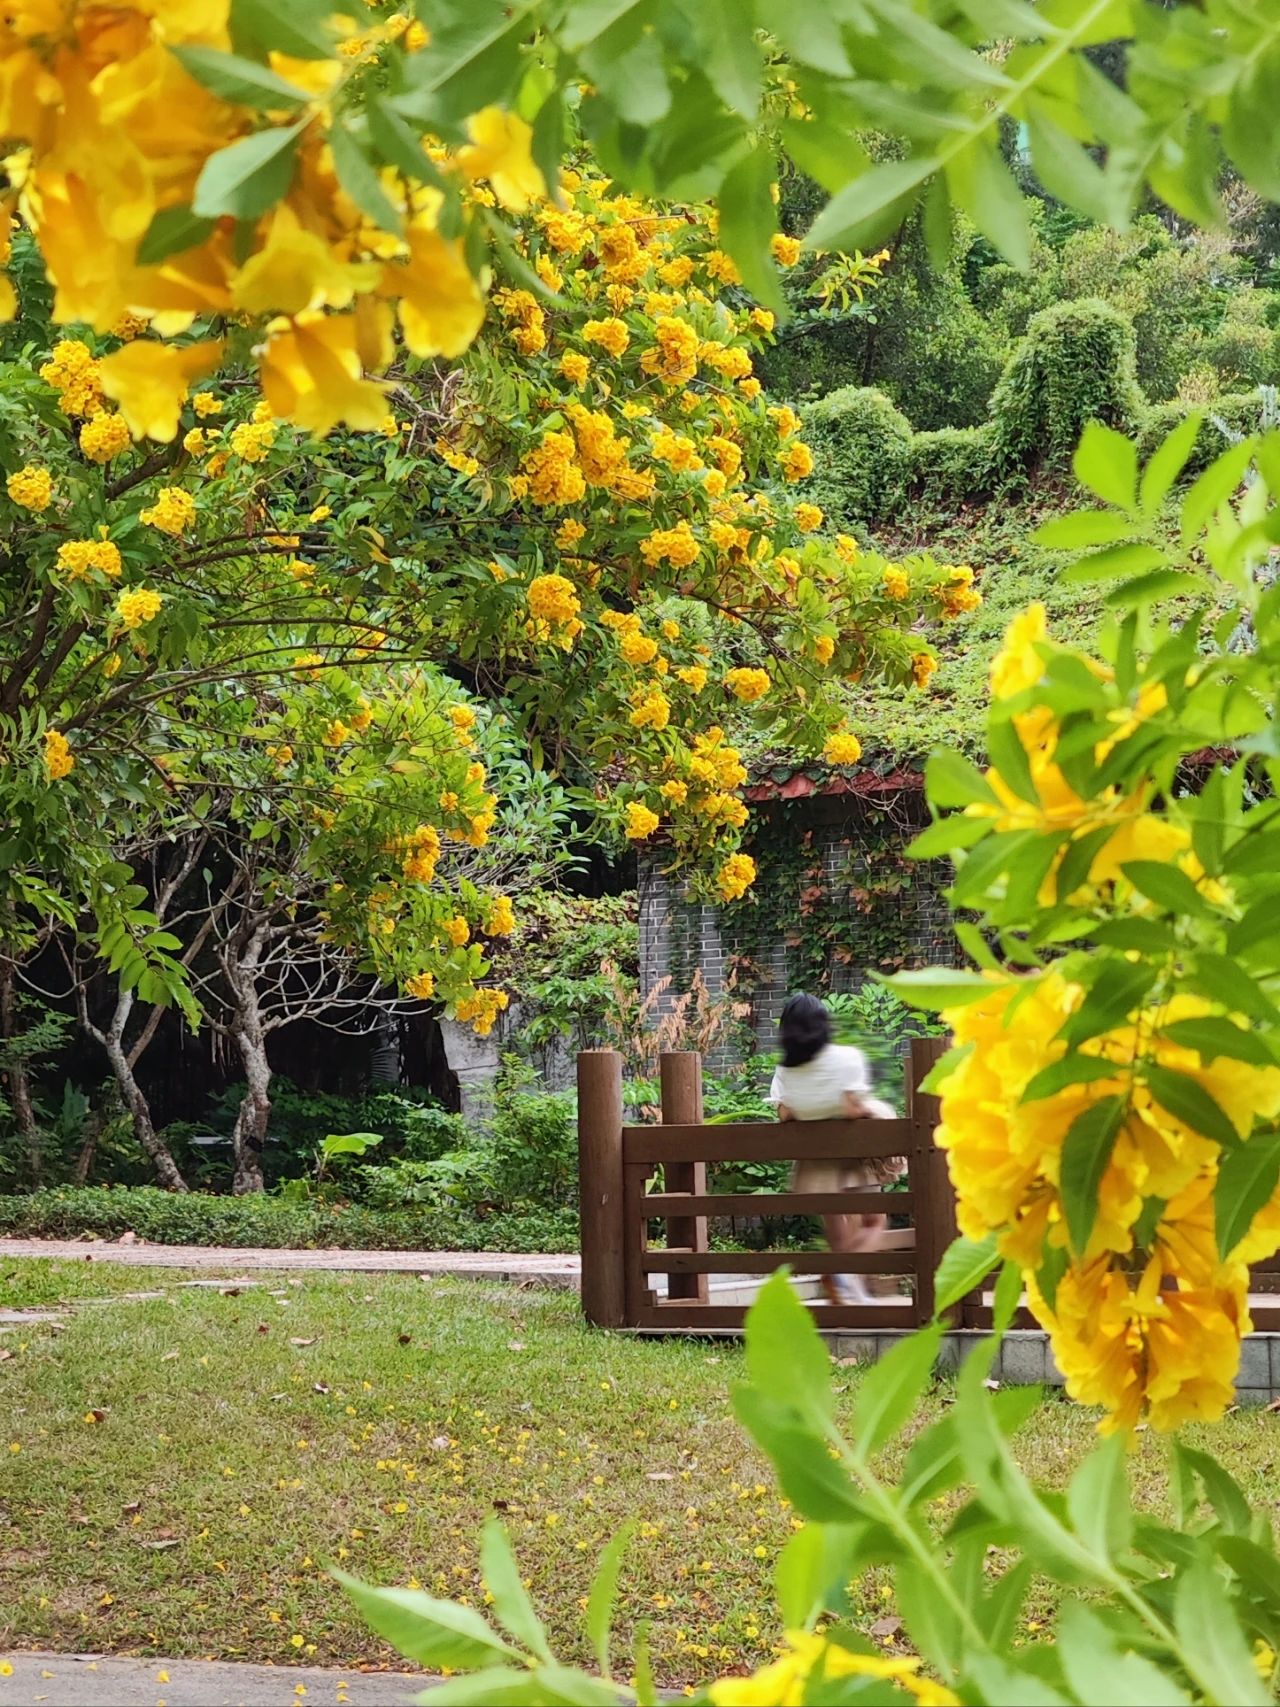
x=150, y=382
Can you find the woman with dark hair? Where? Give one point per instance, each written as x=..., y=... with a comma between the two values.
x=822, y=1080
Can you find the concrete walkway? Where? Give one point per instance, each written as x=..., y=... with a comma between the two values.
x=554, y=1270
x=84, y=1680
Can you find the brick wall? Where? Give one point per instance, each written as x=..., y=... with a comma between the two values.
x=676, y=934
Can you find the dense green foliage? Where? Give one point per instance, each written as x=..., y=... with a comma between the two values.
x=273, y=1223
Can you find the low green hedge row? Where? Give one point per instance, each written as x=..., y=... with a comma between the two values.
x=169, y=1218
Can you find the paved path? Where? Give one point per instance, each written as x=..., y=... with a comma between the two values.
x=83, y=1680
x=560, y=1271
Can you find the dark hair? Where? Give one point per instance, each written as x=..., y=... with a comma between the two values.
x=804, y=1029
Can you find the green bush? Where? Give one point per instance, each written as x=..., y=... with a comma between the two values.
x=1238, y=412
x=532, y=1147
x=1075, y=364
x=168, y=1218
x=862, y=446
x=953, y=466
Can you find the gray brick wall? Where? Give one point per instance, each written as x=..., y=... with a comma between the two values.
x=674, y=930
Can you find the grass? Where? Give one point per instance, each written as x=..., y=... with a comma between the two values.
x=249, y=1438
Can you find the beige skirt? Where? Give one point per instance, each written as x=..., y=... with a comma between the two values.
x=845, y=1176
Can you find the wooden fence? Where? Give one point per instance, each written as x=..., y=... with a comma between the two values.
x=618, y=1164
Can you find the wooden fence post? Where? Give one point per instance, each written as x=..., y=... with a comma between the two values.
x=935, y=1215
x=681, y=1072
x=600, y=1187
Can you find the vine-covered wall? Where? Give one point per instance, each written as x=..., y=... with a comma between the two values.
x=836, y=898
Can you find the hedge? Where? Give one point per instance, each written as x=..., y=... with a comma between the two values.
x=863, y=447
x=271, y=1223
x=1240, y=412
x=952, y=467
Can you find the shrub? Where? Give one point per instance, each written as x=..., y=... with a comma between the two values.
x=532, y=1148
x=1239, y=412
x=952, y=467
x=1075, y=364
x=863, y=449
x=168, y=1218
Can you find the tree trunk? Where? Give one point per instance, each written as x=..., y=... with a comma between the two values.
x=16, y=1076
x=88, y=1146
x=250, y=1133
x=140, y=1113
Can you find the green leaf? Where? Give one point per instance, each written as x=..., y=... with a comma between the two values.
x=932, y=1466
x=240, y=81
x=1113, y=561
x=1213, y=488
x=870, y=206
x=1099, y=1670
x=936, y=987
x=1256, y=1566
x=432, y=1633
x=731, y=58
x=1070, y=1070
x=1083, y=527
x=952, y=780
x=1115, y=991
x=1009, y=757
x=1106, y=463
x=747, y=221
x=604, y=1593
x=397, y=145
x=511, y=1604
x=302, y=29
x=785, y=1353
x=1167, y=887
x=1063, y=166
x=945, y=834
x=816, y=1486
x=1247, y=1178
x=932, y=1620
x=1213, y=1644
x=360, y=181
x=812, y=1569
x=944, y=1066
x=1098, y=1500
x=966, y=1263
x=1188, y=1101
x=249, y=177
x=1145, y=590
x=889, y=1391
x=173, y=230
x=1085, y=1154
x=1167, y=462
x=1212, y=1036
x=1221, y=1489
x=982, y=185
x=1224, y=981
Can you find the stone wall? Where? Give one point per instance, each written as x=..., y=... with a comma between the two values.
x=835, y=900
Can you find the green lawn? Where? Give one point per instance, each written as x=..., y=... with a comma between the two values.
x=187, y=1465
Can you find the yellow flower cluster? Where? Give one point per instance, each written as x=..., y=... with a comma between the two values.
x=502, y=918
x=422, y=986
x=785, y=1682
x=610, y=335
x=422, y=854
x=554, y=605
x=252, y=440
x=842, y=748
x=480, y=1010
x=31, y=488
x=529, y=322
x=735, y=876
x=640, y=821
x=747, y=684
x=104, y=437
x=136, y=606
x=796, y=461
x=958, y=594
x=676, y=546
x=173, y=512
x=74, y=374
x=552, y=471
x=80, y=558
x=58, y=758
x=1152, y=1327
x=673, y=357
